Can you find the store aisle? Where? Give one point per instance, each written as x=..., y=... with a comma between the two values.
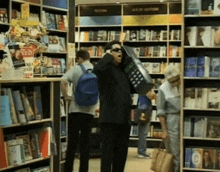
x=133, y=164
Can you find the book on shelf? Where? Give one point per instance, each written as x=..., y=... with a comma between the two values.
x=134, y=35
x=15, y=152
x=102, y=35
x=213, y=98
x=213, y=127
x=63, y=128
x=207, y=7
x=191, y=36
x=38, y=101
x=163, y=35
x=27, y=146
x=193, y=7
x=62, y=43
x=42, y=169
x=204, y=36
x=199, y=129
x=45, y=135
x=3, y=15
x=35, y=147
x=62, y=108
x=3, y=154
x=190, y=67
x=5, y=110
x=216, y=7
x=142, y=35
x=63, y=150
x=53, y=45
x=202, y=157
x=189, y=97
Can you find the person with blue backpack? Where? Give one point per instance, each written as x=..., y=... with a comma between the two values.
x=83, y=103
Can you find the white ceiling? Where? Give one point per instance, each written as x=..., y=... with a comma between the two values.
x=114, y=1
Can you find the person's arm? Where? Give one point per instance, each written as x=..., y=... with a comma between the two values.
x=64, y=89
x=161, y=106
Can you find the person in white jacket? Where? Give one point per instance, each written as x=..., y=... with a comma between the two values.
x=168, y=111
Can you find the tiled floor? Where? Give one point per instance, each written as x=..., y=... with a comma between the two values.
x=133, y=164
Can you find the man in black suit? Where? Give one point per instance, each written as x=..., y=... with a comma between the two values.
x=115, y=108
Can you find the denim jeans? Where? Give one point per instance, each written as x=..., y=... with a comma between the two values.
x=142, y=142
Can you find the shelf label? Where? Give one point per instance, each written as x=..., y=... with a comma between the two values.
x=145, y=9
x=100, y=10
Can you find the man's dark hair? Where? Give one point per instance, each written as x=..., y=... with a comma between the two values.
x=108, y=46
x=83, y=54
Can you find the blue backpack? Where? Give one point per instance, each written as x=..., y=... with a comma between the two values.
x=87, y=88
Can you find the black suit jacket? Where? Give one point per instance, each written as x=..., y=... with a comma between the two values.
x=115, y=92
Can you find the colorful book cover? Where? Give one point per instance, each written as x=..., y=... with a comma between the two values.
x=197, y=158
x=200, y=66
x=27, y=146
x=188, y=157
x=37, y=90
x=208, y=158
x=44, y=141
x=192, y=7
x=35, y=148
x=5, y=111
x=3, y=154
x=19, y=106
x=213, y=127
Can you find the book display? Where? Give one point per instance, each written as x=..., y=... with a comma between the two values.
x=153, y=30
x=28, y=118
x=34, y=36
x=200, y=100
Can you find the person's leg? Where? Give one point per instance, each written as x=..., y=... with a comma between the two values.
x=173, y=142
x=73, y=137
x=85, y=127
x=142, y=129
x=121, y=147
x=108, y=137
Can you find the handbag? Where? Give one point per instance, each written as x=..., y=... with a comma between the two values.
x=162, y=161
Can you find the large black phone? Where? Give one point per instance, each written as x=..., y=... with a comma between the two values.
x=137, y=74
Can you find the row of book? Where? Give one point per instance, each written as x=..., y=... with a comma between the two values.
x=94, y=51
x=20, y=106
x=40, y=169
x=55, y=43
x=155, y=132
x=49, y=65
x=200, y=126
x=100, y=35
x=202, y=157
x=21, y=148
x=54, y=21
x=154, y=67
x=202, y=66
x=15, y=14
x=207, y=36
x=202, y=98
x=3, y=15
x=158, y=51
x=204, y=7
x=151, y=35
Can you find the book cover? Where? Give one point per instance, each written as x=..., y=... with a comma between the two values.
x=57, y=17
x=192, y=7
x=155, y=67
x=137, y=51
x=62, y=24
x=49, y=21
x=3, y=154
x=44, y=19
x=213, y=127
x=3, y=15
x=188, y=157
x=216, y=7
x=53, y=45
x=207, y=66
x=95, y=36
x=208, y=158
x=197, y=157
x=189, y=98
x=133, y=35
x=62, y=108
x=53, y=21
x=38, y=101
x=215, y=36
x=19, y=106
x=117, y=35
x=199, y=129
x=102, y=35
x=62, y=43
x=201, y=66
x=12, y=106
x=63, y=150
x=27, y=146
x=142, y=35
x=204, y=36
x=15, y=150
x=192, y=70
x=213, y=98
x=44, y=141
x=191, y=36
x=188, y=127
x=27, y=108
x=202, y=98
x=66, y=22
x=35, y=148
x=217, y=159
x=5, y=111
x=63, y=65
x=207, y=7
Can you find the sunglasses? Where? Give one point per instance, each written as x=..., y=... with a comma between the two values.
x=119, y=50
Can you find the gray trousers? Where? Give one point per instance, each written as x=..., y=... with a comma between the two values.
x=172, y=144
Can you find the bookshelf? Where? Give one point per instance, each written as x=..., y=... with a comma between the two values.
x=98, y=24
x=201, y=142
x=26, y=134
x=54, y=17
